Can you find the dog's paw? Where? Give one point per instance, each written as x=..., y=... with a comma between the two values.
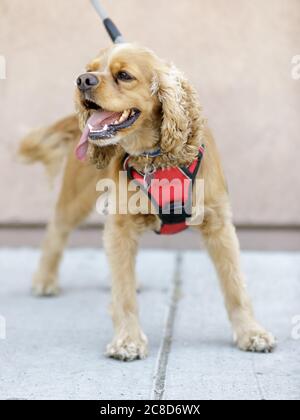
x=44, y=286
x=257, y=340
x=126, y=348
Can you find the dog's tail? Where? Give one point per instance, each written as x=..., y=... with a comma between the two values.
x=50, y=145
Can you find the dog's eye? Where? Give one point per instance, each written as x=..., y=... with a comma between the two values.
x=124, y=76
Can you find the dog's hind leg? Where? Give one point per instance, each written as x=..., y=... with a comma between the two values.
x=76, y=200
x=223, y=246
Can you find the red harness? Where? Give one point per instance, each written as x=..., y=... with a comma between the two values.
x=170, y=191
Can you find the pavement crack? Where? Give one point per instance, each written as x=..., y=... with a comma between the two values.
x=166, y=344
x=256, y=376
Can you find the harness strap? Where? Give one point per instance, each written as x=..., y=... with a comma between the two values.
x=173, y=202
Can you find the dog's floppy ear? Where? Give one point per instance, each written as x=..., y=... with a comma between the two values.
x=181, y=112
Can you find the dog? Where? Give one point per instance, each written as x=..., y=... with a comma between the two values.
x=132, y=106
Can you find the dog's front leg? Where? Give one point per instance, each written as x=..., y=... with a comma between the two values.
x=223, y=246
x=120, y=241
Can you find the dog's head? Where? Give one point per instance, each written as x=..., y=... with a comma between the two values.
x=131, y=98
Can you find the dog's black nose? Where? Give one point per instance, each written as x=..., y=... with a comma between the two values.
x=87, y=81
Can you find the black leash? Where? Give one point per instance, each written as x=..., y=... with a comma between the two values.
x=111, y=28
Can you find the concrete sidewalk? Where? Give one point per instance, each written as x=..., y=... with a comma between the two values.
x=54, y=347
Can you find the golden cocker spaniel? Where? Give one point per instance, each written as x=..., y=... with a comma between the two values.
x=131, y=104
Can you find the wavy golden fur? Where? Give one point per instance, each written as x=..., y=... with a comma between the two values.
x=170, y=119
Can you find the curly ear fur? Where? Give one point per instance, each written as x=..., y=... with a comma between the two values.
x=182, y=125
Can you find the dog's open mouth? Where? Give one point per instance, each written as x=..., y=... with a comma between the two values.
x=104, y=125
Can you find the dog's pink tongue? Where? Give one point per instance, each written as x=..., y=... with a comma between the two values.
x=82, y=147
x=96, y=121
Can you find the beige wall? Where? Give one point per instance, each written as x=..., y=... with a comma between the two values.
x=237, y=52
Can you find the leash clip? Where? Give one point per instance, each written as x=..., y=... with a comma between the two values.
x=148, y=176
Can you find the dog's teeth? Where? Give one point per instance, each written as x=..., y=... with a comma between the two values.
x=124, y=116
x=105, y=127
